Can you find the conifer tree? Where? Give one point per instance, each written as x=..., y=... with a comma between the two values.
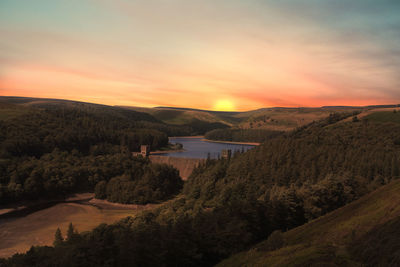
x=58, y=238
x=70, y=232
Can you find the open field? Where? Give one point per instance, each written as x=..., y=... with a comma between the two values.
x=367, y=113
x=38, y=228
x=282, y=119
x=385, y=116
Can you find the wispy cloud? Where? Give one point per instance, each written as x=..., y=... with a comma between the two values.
x=193, y=53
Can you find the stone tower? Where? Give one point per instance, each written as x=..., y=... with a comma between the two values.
x=145, y=150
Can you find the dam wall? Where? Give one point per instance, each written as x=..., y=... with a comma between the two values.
x=184, y=165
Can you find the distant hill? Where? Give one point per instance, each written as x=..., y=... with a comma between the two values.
x=275, y=119
x=364, y=232
x=180, y=116
x=198, y=120
x=172, y=121
x=201, y=121
x=13, y=106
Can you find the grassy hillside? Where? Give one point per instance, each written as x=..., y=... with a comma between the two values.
x=363, y=232
x=181, y=116
x=283, y=119
x=384, y=116
x=275, y=119
x=198, y=121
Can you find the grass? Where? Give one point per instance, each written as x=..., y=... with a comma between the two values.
x=283, y=119
x=280, y=119
x=11, y=113
x=384, y=116
x=326, y=240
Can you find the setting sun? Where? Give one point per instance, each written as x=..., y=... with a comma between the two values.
x=224, y=105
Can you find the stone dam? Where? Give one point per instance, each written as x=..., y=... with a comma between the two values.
x=184, y=165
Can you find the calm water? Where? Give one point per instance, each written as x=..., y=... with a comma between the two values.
x=196, y=148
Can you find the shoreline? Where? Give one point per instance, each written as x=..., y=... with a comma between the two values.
x=187, y=137
x=105, y=204
x=25, y=205
x=213, y=141
x=79, y=198
x=159, y=152
x=20, y=232
x=231, y=142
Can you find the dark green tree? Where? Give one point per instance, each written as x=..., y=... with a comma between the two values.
x=58, y=238
x=100, y=190
x=71, y=233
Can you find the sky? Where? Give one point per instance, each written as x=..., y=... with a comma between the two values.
x=206, y=54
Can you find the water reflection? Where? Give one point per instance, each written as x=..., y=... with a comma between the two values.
x=197, y=148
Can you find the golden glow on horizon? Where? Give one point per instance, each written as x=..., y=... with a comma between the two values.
x=220, y=55
x=224, y=105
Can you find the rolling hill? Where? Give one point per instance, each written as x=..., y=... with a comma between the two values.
x=276, y=119
x=362, y=233
x=50, y=148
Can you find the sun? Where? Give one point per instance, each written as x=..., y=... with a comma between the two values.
x=224, y=105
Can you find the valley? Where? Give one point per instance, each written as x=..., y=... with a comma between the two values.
x=18, y=233
x=227, y=208
x=200, y=133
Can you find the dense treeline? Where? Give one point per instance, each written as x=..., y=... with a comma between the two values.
x=50, y=149
x=228, y=205
x=242, y=135
x=156, y=182
x=67, y=128
x=58, y=173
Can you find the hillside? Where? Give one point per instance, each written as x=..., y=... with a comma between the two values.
x=286, y=119
x=363, y=232
x=49, y=148
x=268, y=119
x=229, y=205
x=199, y=121
x=180, y=116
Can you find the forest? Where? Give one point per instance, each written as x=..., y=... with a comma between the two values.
x=228, y=205
x=241, y=135
x=51, y=149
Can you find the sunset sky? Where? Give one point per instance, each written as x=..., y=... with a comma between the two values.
x=208, y=54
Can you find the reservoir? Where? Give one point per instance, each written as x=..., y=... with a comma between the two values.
x=197, y=147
